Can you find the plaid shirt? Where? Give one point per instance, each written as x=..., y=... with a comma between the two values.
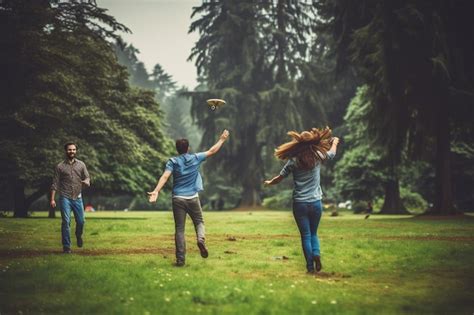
x=69, y=178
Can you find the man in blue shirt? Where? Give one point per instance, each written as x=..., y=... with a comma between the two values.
x=187, y=183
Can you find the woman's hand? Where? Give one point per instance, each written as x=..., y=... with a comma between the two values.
x=275, y=180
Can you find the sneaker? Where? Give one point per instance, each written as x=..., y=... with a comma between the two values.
x=67, y=250
x=179, y=263
x=317, y=263
x=203, y=250
x=79, y=241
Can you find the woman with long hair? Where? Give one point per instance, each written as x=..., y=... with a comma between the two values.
x=305, y=154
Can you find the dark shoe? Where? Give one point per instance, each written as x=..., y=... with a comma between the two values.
x=67, y=250
x=310, y=272
x=79, y=241
x=317, y=263
x=203, y=250
x=179, y=263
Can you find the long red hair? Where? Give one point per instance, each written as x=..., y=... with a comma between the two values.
x=308, y=147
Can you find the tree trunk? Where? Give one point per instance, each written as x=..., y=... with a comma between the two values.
x=23, y=203
x=443, y=204
x=19, y=206
x=251, y=175
x=392, y=202
x=43, y=189
x=250, y=197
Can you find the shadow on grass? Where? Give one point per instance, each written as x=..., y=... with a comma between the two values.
x=87, y=218
x=123, y=219
x=85, y=252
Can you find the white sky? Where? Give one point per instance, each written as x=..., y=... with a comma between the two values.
x=160, y=32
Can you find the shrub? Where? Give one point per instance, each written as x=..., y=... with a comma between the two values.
x=282, y=200
x=359, y=206
x=412, y=200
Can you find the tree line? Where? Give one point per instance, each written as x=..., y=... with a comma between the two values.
x=62, y=82
x=393, y=79
x=285, y=65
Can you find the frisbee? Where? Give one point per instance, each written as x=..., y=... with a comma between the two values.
x=214, y=103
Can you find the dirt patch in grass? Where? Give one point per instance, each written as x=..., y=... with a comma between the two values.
x=127, y=251
x=241, y=237
x=9, y=254
x=336, y=276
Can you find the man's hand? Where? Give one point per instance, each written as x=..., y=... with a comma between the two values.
x=52, y=203
x=152, y=196
x=267, y=182
x=86, y=183
x=335, y=140
x=224, y=135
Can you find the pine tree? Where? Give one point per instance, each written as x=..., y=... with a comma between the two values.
x=250, y=52
x=409, y=53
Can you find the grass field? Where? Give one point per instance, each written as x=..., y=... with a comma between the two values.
x=383, y=265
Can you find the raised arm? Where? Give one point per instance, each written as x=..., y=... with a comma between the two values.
x=332, y=151
x=216, y=147
x=153, y=195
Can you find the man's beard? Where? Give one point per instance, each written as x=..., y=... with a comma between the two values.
x=71, y=156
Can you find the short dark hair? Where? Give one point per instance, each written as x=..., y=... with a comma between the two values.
x=182, y=145
x=68, y=144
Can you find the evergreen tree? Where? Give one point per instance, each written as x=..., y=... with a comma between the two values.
x=162, y=82
x=63, y=84
x=413, y=59
x=250, y=52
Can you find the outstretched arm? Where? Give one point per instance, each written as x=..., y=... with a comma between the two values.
x=275, y=180
x=153, y=196
x=216, y=147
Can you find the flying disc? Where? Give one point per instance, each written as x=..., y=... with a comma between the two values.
x=214, y=103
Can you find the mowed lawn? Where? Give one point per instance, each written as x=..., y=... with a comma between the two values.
x=382, y=265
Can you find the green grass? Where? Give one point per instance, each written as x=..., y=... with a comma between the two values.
x=386, y=264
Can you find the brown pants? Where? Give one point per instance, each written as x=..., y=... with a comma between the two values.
x=181, y=207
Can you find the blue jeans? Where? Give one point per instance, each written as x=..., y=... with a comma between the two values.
x=77, y=207
x=307, y=216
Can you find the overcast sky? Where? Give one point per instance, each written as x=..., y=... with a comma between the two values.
x=160, y=31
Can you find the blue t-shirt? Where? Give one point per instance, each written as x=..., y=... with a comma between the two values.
x=187, y=180
x=307, y=182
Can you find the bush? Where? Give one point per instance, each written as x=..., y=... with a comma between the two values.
x=359, y=206
x=283, y=200
x=378, y=203
x=412, y=200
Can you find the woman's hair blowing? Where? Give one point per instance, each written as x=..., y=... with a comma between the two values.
x=307, y=147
